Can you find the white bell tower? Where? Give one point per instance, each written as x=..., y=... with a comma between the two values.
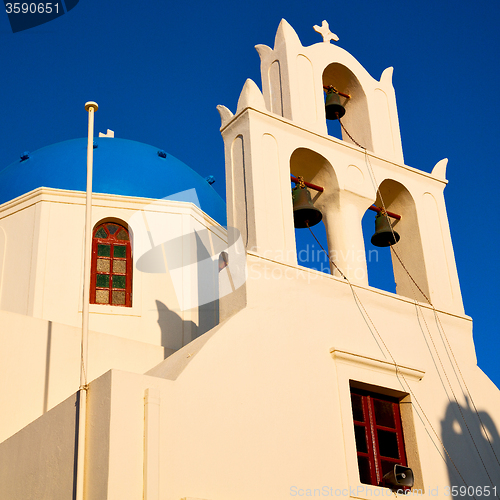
x=282, y=130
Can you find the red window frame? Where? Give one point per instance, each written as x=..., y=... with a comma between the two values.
x=379, y=435
x=111, y=270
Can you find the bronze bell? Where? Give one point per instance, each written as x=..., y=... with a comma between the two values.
x=333, y=109
x=304, y=212
x=384, y=235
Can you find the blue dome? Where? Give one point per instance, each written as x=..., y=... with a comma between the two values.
x=121, y=167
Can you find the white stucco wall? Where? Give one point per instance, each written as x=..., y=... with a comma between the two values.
x=40, y=365
x=264, y=405
x=42, y=271
x=260, y=408
x=39, y=461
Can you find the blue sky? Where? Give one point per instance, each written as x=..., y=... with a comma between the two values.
x=158, y=71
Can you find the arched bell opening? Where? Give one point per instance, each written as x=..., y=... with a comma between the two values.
x=316, y=170
x=378, y=259
x=406, y=254
x=343, y=89
x=309, y=251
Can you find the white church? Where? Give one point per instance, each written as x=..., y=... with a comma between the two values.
x=216, y=367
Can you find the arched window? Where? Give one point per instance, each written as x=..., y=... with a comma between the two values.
x=111, y=274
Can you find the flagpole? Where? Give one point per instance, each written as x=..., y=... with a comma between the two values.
x=91, y=107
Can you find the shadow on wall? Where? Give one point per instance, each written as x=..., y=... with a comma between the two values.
x=208, y=317
x=176, y=332
x=174, y=329
x=474, y=463
x=187, y=255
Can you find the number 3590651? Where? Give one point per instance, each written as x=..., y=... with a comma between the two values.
x=31, y=8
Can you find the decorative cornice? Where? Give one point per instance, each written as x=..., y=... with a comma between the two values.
x=377, y=364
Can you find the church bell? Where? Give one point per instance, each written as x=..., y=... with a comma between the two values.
x=333, y=109
x=304, y=212
x=384, y=235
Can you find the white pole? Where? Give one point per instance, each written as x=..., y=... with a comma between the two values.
x=90, y=107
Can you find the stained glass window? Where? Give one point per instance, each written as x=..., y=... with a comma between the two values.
x=111, y=278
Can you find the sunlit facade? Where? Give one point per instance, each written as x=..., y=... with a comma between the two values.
x=218, y=367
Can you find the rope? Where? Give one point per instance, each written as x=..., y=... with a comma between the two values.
x=348, y=134
x=326, y=253
x=393, y=250
x=384, y=212
x=466, y=387
x=405, y=386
